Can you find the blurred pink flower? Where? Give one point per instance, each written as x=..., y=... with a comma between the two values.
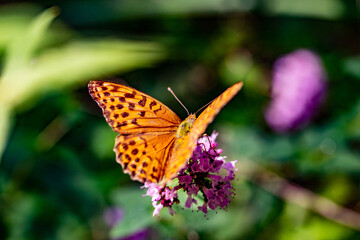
x=298, y=88
x=113, y=215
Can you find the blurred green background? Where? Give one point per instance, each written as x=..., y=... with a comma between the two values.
x=58, y=173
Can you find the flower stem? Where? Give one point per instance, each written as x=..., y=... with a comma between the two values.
x=305, y=198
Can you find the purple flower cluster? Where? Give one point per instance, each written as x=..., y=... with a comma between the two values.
x=298, y=88
x=206, y=172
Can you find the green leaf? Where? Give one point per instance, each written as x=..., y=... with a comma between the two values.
x=21, y=50
x=315, y=228
x=132, y=222
x=4, y=128
x=327, y=9
x=138, y=211
x=352, y=66
x=102, y=141
x=27, y=76
x=99, y=12
x=14, y=20
x=74, y=63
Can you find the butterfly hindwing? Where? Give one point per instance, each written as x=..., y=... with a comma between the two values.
x=143, y=156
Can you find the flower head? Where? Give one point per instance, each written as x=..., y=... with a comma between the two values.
x=206, y=174
x=298, y=88
x=161, y=197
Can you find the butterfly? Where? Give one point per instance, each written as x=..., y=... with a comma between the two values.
x=153, y=144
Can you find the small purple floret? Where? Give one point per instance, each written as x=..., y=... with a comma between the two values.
x=161, y=197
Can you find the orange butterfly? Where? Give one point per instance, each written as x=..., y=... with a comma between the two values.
x=154, y=144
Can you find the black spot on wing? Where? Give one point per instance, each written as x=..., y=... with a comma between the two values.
x=153, y=103
x=142, y=102
x=157, y=109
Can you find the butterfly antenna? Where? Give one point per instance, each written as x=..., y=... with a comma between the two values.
x=204, y=106
x=169, y=89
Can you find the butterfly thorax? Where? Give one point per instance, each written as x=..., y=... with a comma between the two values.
x=185, y=126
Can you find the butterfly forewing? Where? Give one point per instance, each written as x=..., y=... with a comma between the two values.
x=129, y=111
x=188, y=144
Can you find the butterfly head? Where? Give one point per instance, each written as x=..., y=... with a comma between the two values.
x=186, y=125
